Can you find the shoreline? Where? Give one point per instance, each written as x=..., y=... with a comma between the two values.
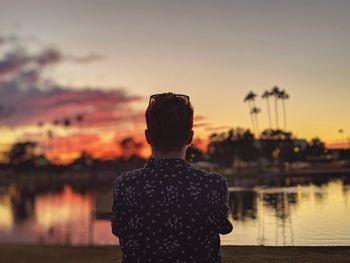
x=16, y=253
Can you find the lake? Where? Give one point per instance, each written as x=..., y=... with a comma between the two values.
x=297, y=214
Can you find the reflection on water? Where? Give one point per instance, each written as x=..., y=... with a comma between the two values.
x=64, y=216
x=300, y=214
x=297, y=215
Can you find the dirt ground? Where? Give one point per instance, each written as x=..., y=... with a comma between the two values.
x=241, y=254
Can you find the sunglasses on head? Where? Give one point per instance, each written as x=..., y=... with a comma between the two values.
x=154, y=97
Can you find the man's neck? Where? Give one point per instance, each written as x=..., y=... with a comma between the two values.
x=169, y=155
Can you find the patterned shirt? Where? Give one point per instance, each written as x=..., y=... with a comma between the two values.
x=168, y=211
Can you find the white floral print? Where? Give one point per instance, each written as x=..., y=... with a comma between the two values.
x=168, y=211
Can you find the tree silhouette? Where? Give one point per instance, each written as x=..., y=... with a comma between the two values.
x=250, y=99
x=276, y=93
x=21, y=152
x=266, y=95
x=193, y=154
x=284, y=96
x=55, y=123
x=255, y=111
x=50, y=136
x=79, y=118
x=129, y=147
x=67, y=123
x=223, y=148
x=342, y=137
x=246, y=149
x=316, y=147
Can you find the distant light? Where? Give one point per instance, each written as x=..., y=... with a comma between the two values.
x=296, y=149
x=276, y=153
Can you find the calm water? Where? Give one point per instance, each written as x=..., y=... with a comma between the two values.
x=298, y=215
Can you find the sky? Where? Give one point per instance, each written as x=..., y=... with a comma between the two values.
x=214, y=51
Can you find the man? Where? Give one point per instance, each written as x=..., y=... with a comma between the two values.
x=168, y=211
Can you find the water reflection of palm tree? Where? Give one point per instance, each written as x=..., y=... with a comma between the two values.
x=266, y=96
x=261, y=218
x=283, y=217
x=276, y=93
x=250, y=99
x=284, y=96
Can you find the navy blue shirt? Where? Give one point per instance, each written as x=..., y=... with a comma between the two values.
x=168, y=211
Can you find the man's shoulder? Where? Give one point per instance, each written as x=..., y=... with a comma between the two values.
x=126, y=177
x=211, y=177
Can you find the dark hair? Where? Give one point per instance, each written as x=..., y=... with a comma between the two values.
x=169, y=121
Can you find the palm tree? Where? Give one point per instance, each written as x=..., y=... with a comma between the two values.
x=284, y=96
x=40, y=124
x=56, y=145
x=342, y=138
x=67, y=123
x=266, y=96
x=79, y=118
x=250, y=98
x=275, y=92
x=255, y=111
x=50, y=137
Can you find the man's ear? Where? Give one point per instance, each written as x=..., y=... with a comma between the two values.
x=190, y=137
x=148, y=137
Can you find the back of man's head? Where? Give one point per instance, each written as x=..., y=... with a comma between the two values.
x=169, y=119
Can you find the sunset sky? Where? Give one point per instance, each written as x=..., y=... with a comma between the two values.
x=105, y=58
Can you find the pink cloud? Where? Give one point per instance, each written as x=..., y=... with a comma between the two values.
x=24, y=100
x=33, y=105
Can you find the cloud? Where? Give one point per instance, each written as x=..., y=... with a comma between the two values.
x=12, y=62
x=25, y=98
x=17, y=60
x=32, y=105
x=85, y=59
x=200, y=125
x=199, y=118
x=218, y=128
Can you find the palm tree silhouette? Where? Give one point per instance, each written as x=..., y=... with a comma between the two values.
x=266, y=96
x=40, y=125
x=56, y=145
x=275, y=92
x=255, y=111
x=67, y=123
x=342, y=138
x=250, y=98
x=284, y=96
x=50, y=137
x=79, y=118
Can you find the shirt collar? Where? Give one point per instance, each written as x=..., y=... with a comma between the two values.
x=156, y=162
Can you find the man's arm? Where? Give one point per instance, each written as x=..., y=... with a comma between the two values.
x=116, y=208
x=224, y=225
x=217, y=198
